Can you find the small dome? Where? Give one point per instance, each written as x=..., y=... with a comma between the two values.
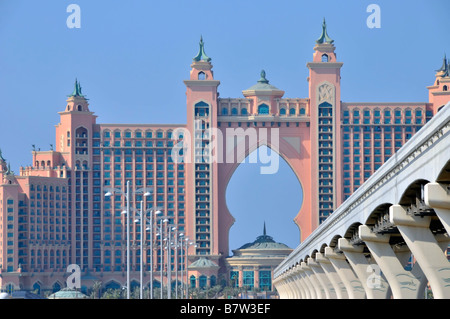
x=263, y=84
x=67, y=293
x=264, y=242
x=203, y=263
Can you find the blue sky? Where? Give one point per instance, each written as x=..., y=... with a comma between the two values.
x=131, y=58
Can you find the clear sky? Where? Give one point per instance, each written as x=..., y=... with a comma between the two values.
x=132, y=56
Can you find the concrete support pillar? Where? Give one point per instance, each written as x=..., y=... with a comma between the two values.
x=318, y=290
x=353, y=285
x=437, y=196
x=284, y=287
x=301, y=292
x=426, y=249
x=306, y=284
x=363, y=270
x=295, y=284
x=404, y=284
x=337, y=288
x=327, y=287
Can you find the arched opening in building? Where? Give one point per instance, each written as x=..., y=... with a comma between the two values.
x=254, y=199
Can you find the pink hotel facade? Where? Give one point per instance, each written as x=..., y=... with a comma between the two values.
x=54, y=213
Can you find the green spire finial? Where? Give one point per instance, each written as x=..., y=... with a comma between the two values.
x=201, y=56
x=264, y=230
x=324, y=36
x=445, y=68
x=77, y=89
x=8, y=171
x=263, y=77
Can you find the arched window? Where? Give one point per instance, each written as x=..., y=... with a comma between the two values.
x=324, y=58
x=234, y=111
x=445, y=88
x=302, y=111
x=192, y=281
x=79, y=108
x=292, y=111
x=37, y=288
x=213, y=281
x=244, y=111
x=224, y=111
x=201, y=109
x=202, y=281
x=201, y=75
x=282, y=111
x=56, y=287
x=263, y=109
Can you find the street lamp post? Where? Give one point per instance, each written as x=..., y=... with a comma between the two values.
x=157, y=212
x=178, y=239
x=142, y=218
x=161, y=237
x=187, y=243
x=169, y=262
x=110, y=192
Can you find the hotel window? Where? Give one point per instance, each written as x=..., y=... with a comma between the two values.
x=248, y=279
x=263, y=109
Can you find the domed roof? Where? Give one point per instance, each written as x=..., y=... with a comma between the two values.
x=203, y=263
x=67, y=293
x=263, y=87
x=264, y=242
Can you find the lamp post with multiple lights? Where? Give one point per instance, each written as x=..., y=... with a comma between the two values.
x=144, y=192
x=142, y=219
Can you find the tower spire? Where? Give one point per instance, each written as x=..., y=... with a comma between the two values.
x=264, y=230
x=263, y=77
x=324, y=38
x=77, y=89
x=201, y=55
x=445, y=68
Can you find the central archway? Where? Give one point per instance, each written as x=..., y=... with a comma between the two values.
x=292, y=145
x=254, y=199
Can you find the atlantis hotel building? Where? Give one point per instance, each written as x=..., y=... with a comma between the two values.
x=55, y=213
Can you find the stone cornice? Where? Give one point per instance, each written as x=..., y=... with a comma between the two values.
x=324, y=65
x=193, y=83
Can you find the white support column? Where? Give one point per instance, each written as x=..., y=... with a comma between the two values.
x=404, y=284
x=278, y=284
x=291, y=287
x=295, y=289
x=322, y=278
x=283, y=292
x=302, y=294
x=310, y=292
x=313, y=279
x=437, y=196
x=338, y=289
x=353, y=285
x=426, y=249
x=364, y=270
